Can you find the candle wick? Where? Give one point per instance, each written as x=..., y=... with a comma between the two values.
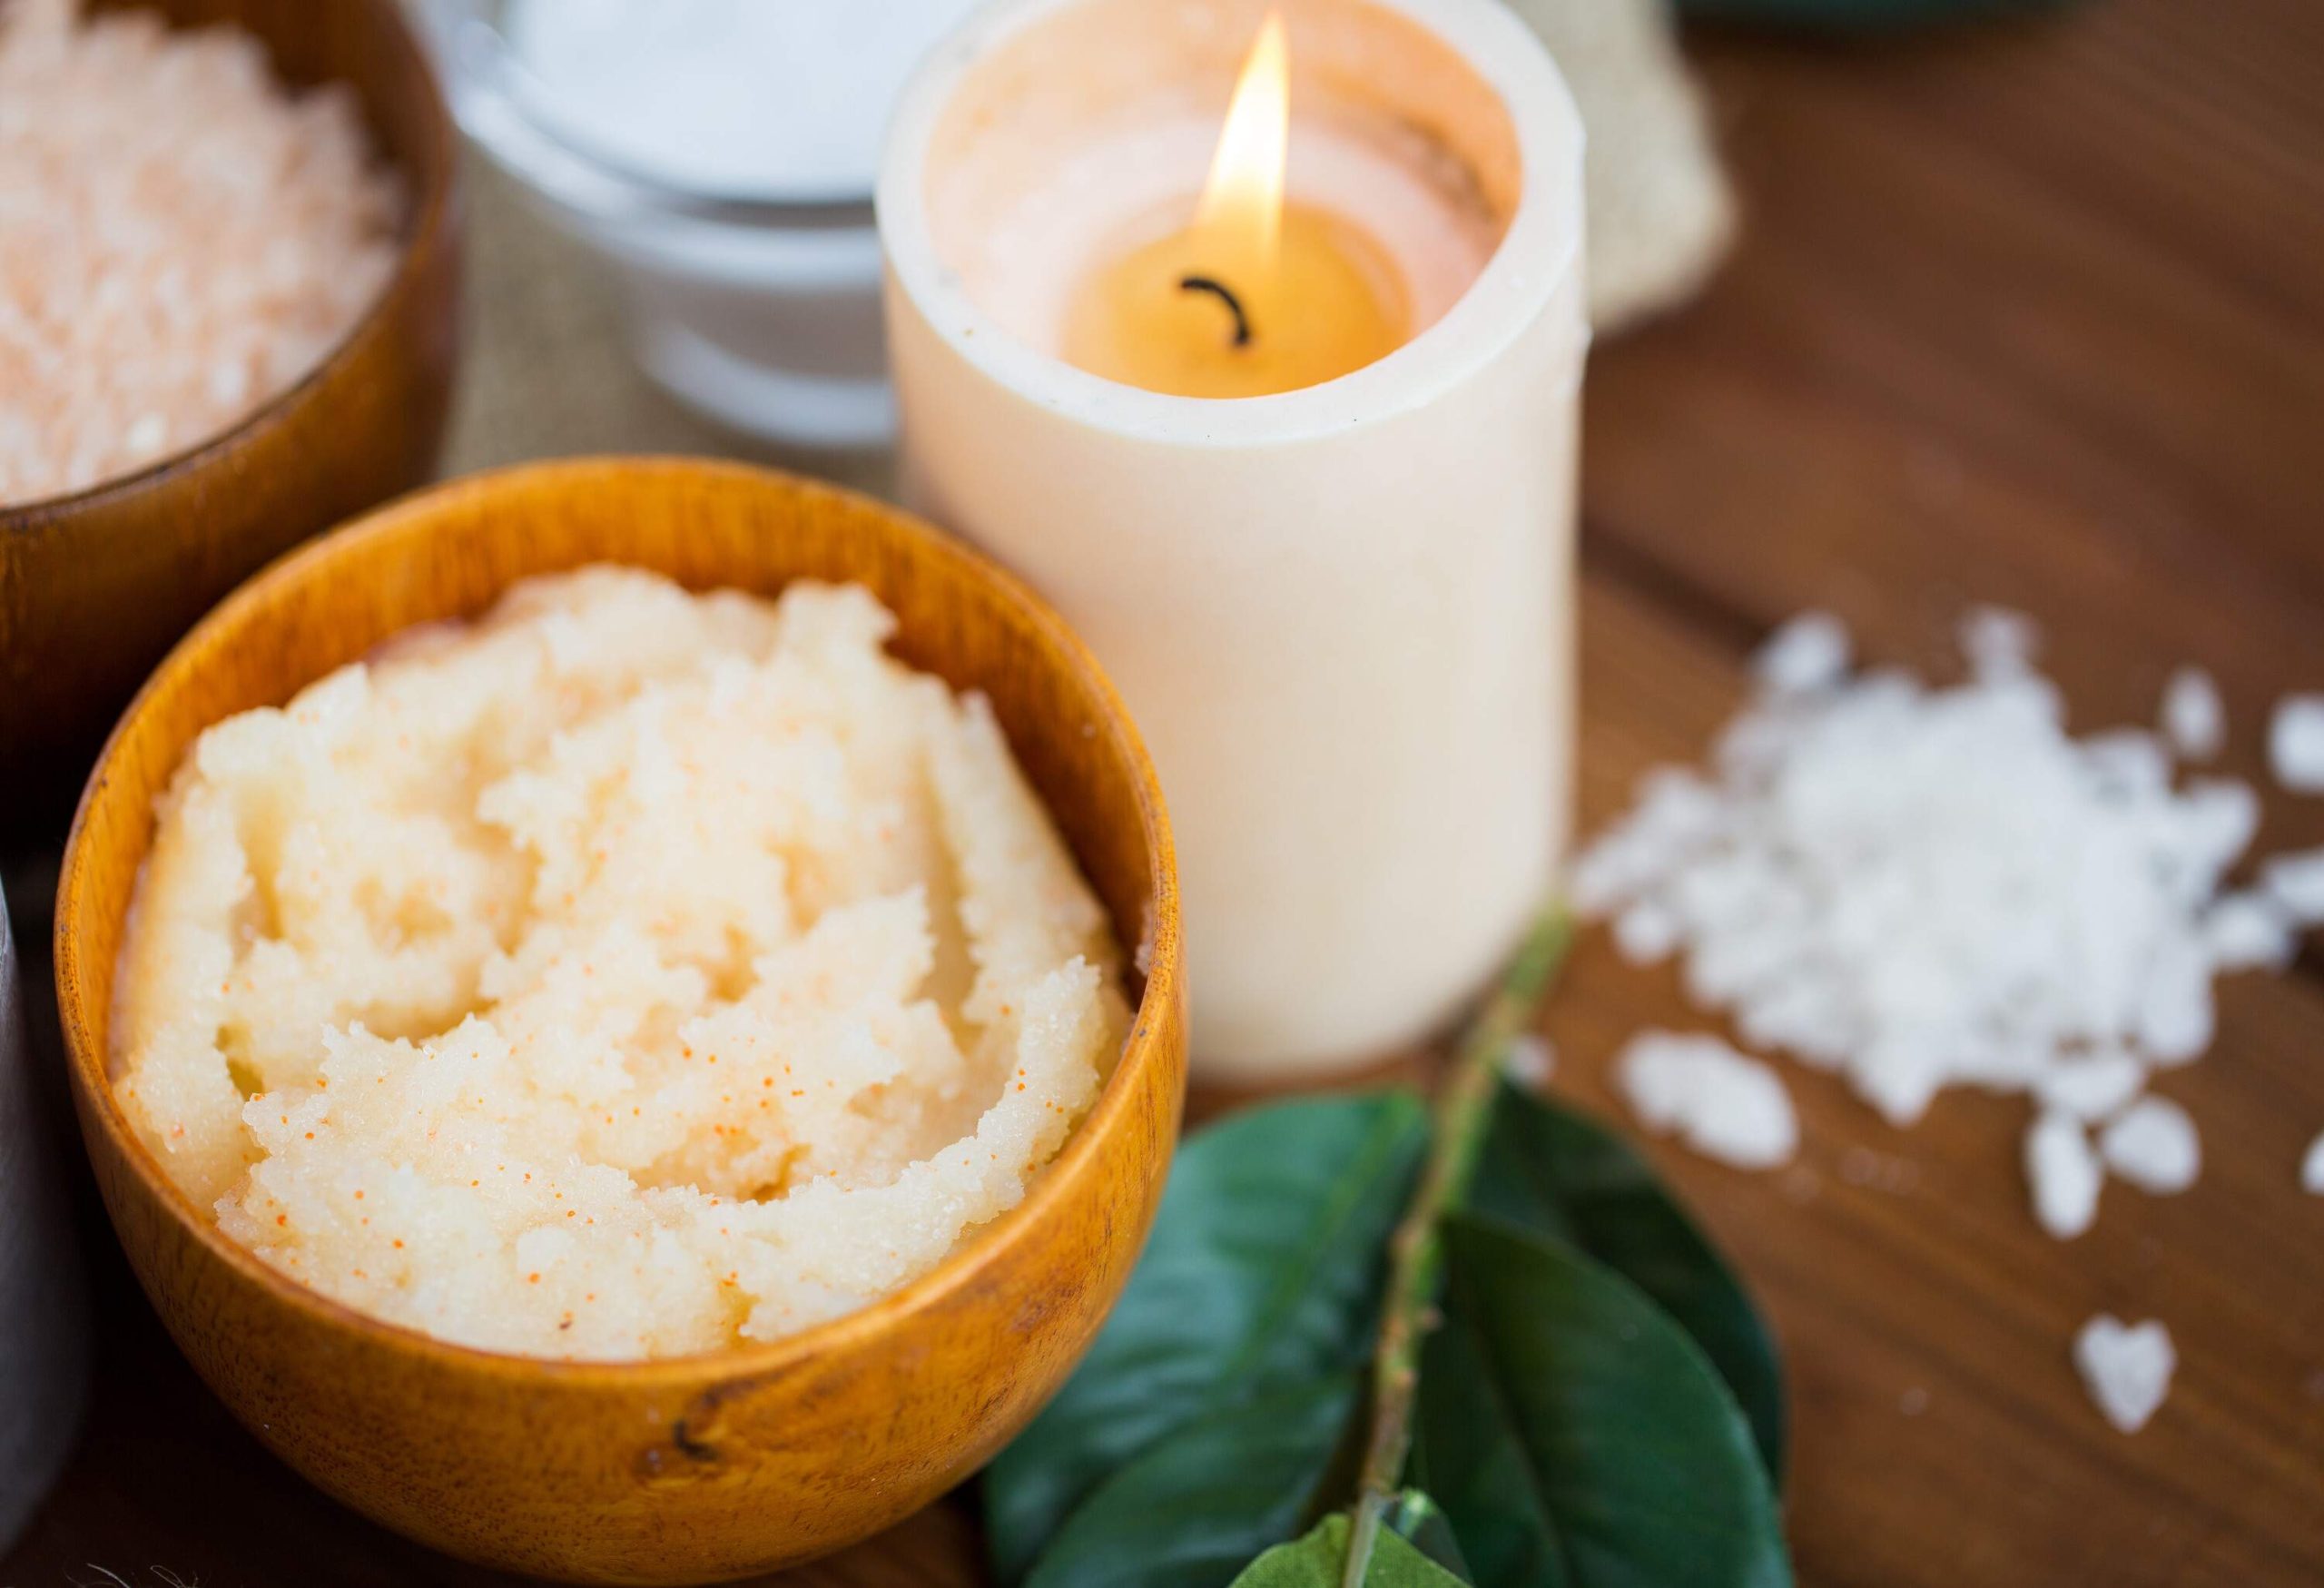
x=1225, y=295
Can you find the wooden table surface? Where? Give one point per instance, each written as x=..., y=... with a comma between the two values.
x=2029, y=313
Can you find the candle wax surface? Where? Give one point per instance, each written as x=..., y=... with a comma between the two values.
x=1081, y=255
x=1331, y=302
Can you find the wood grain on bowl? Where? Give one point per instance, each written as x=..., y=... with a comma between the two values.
x=95, y=587
x=689, y=1469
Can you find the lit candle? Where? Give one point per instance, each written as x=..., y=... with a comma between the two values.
x=1252, y=295
x=1315, y=517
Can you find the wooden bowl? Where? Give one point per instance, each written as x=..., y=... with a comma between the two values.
x=95, y=586
x=703, y=1467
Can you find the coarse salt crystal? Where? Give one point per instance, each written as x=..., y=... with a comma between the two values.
x=2249, y=932
x=2153, y=1145
x=2092, y=1085
x=1806, y=653
x=2296, y=743
x=1998, y=641
x=1724, y=1104
x=2194, y=719
x=1647, y=931
x=2064, y=1174
x=2296, y=882
x=2127, y=1367
x=1529, y=1062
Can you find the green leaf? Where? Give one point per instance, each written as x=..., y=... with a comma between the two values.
x=1264, y=1272
x=1577, y=1437
x=1414, y=1517
x=1318, y=1560
x=1560, y=1174
x=1193, y=1510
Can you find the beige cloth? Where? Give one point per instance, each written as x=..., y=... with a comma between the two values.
x=547, y=373
x=1660, y=212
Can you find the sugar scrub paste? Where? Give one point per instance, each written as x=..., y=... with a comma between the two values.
x=629, y=973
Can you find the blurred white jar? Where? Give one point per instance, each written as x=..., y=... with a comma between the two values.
x=720, y=154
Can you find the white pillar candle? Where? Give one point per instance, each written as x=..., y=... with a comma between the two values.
x=1342, y=615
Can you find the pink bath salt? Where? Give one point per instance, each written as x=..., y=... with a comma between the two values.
x=181, y=239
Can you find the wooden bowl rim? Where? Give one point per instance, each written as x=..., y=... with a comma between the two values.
x=422, y=237
x=1076, y=1162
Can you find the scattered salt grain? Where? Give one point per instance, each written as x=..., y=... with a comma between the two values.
x=2296, y=882
x=2311, y=1168
x=2193, y=720
x=2296, y=743
x=2091, y=1086
x=2127, y=1367
x=2153, y=1144
x=2249, y=932
x=2064, y=1174
x=1724, y=1104
x=1807, y=653
x=1647, y=931
x=1530, y=1062
x=1997, y=642
x=181, y=238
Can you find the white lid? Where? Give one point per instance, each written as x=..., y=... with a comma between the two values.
x=741, y=99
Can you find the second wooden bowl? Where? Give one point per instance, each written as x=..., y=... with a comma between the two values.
x=703, y=1467
x=95, y=587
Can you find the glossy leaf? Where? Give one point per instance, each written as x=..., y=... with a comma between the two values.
x=1577, y=1436
x=1317, y=1561
x=1264, y=1272
x=1194, y=1508
x=1421, y=1522
x=1557, y=1173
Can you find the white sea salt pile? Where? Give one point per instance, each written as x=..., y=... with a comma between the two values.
x=181, y=239
x=1724, y=1104
x=1921, y=887
x=2127, y=1367
x=2296, y=743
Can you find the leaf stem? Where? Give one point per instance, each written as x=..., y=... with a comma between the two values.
x=1463, y=1111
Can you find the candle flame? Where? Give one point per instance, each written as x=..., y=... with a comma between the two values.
x=1242, y=204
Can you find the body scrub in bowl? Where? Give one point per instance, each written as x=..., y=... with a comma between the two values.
x=727, y=917
x=626, y=974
